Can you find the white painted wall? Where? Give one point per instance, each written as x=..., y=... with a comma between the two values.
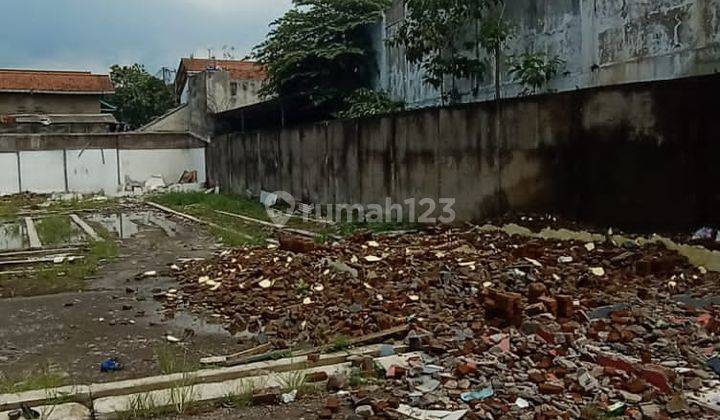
x=140, y=165
x=43, y=171
x=92, y=170
x=95, y=170
x=8, y=174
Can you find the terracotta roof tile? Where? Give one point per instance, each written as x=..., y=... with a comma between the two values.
x=239, y=69
x=54, y=81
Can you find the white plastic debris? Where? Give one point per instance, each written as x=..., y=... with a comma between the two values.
x=372, y=258
x=521, y=403
x=289, y=397
x=265, y=284
x=420, y=414
x=565, y=260
x=536, y=263
x=597, y=271
x=155, y=182
x=590, y=246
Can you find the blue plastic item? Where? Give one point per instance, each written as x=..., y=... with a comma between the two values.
x=110, y=365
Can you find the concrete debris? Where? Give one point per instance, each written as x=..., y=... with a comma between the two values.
x=154, y=183
x=289, y=397
x=531, y=329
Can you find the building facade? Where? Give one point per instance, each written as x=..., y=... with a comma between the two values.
x=205, y=87
x=602, y=42
x=54, y=101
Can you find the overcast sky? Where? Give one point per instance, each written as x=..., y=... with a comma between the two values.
x=95, y=34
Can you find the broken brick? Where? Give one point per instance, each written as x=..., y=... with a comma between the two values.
x=548, y=388
x=507, y=307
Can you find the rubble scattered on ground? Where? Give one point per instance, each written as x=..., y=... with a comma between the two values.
x=517, y=327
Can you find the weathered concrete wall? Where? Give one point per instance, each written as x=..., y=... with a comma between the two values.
x=639, y=155
x=220, y=92
x=95, y=163
x=603, y=42
x=200, y=119
x=38, y=103
x=174, y=121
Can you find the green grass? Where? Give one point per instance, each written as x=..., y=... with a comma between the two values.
x=340, y=343
x=356, y=379
x=11, y=206
x=292, y=381
x=42, y=378
x=170, y=360
x=223, y=202
x=64, y=277
x=182, y=400
x=55, y=230
x=241, y=397
x=204, y=206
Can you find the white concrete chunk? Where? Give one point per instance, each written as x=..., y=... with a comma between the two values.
x=71, y=411
x=78, y=393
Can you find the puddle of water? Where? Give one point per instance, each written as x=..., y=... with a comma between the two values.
x=182, y=320
x=119, y=224
x=127, y=225
x=12, y=236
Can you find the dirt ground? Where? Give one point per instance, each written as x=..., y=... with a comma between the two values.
x=115, y=317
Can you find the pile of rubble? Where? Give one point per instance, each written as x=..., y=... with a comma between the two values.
x=525, y=328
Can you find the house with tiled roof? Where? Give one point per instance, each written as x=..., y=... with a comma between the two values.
x=54, y=101
x=205, y=87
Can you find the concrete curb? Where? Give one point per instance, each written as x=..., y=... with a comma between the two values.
x=86, y=394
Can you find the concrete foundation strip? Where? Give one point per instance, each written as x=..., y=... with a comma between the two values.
x=222, y=359
x=86, y=228
x=45, y=251
x=85, y=394
x=32, y=234
x=300, y=232
x=50, y=259
x=106, y=408
x=196, y=220
x=257, y=356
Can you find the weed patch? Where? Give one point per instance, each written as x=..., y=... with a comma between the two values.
x=43, y=378
x=55, y=230
x=170, y=360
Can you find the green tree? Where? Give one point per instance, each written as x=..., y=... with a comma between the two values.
x=367, y=102
x=534, y=70
x=321, y=49
x=139, y=96
x=434, y=35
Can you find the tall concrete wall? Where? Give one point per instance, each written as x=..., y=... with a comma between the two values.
x=639, y=155
x=603, y=42
x=95, y=163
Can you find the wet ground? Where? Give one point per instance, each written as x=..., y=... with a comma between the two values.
x=115, y=316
